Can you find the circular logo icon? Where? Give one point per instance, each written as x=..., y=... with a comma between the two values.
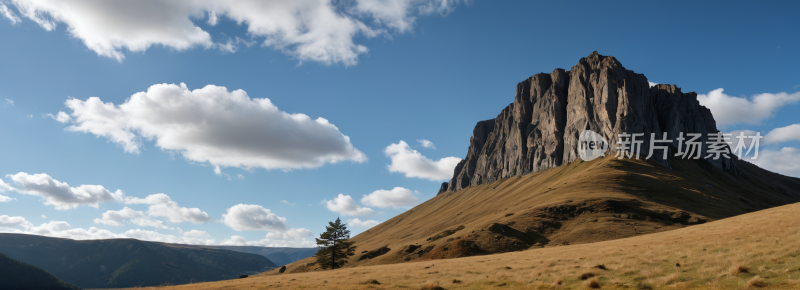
x=591, y=145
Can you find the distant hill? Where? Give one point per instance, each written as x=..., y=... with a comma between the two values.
x=280, y=256
x=118, y=263
x=16, y=275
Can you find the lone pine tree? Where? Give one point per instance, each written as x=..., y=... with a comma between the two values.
x=335, y=247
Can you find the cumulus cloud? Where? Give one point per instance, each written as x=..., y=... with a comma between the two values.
x=783, y=134
x=9, y=102
x=426, y=144
x=60, y=194
x=61, y=117
x=196, y=234
x=161, y=205
x=3, y=188
x=730, y=110
x=10, y=15
x=413, y=164
x=62, y=229
x=310, y=30
x=117, y=217
x=362, y=224
x=225, y=129
x=14, y=222
x=785, y=161
x=344, y=204
x=292, y=234
x=397, y=197
x=268, y=242
x=251, y=217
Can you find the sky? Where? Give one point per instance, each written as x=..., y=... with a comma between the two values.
x=257, y=122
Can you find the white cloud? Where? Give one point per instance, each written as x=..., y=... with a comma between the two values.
x=729, y=110
x=425, y=143
x=652, y=84
x=413, y=164
x=9, y=102
x=225, y=129
x=60, y=194
x=362, y=224
x=61, y=117
x=14, y=222
x=44, y=216
x=344, y=204
x=397, y=197
x=251, y=217
x=3, y=188
x=116, y=217
x=310, y=30
x=783, y=134
x=212, y=18
x=196, y=234
x=161, y=205
x=785, y=161
x=291, y=234
x=62, y=229
x=274, y=241
x=286, y=202
x=10, y=15
x=240, y=176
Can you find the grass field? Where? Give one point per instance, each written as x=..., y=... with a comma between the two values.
x=754, y=250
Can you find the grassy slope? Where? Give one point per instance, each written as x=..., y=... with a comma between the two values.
x=711, y=256
x=581, y=202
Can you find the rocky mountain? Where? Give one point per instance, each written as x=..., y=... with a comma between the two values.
x=541, y=128
x=122, y=263
x=524, y=186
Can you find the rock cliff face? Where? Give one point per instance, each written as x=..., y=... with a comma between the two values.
x=540, y=129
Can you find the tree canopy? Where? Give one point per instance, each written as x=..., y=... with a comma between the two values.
x=335, y=247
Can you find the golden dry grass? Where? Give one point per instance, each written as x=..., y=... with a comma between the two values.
x=764, y=242
x=580, y=202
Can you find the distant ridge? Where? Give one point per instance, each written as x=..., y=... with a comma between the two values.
x=278, y=255
x=120, y=263
x=16, y=275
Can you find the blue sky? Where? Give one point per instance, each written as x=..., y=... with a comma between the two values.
x=381, y=73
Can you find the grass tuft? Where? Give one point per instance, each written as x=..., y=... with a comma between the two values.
x=757, y=282
x=593, y=283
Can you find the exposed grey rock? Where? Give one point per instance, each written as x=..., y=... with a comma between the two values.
x=540, y=129
x=443, y=188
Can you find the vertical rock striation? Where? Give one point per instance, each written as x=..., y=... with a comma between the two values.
x=540, y=129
